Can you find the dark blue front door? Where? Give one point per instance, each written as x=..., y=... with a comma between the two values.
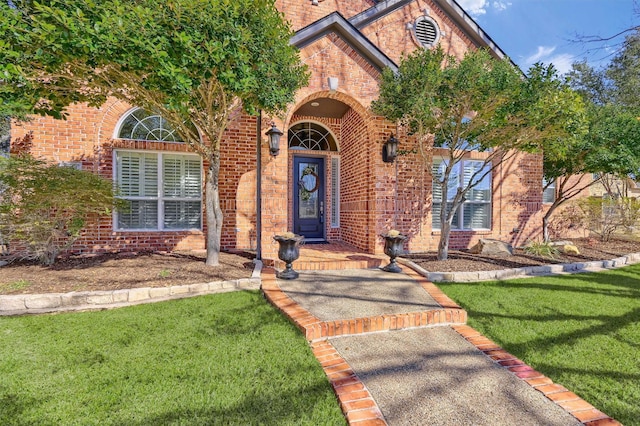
x=308, y=197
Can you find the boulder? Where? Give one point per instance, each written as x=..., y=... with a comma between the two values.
x=570, y=249
x=492, y=248
x=561, y=243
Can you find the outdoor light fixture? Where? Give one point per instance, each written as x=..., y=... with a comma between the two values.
x=390, y=149
x=333, y=84
x=274, y=139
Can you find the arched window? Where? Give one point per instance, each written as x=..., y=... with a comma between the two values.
x=311, y=136
x=163, y=189
x=142, y=125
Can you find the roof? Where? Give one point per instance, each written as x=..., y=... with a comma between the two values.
x=350, y=30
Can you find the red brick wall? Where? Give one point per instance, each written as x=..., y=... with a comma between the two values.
x=87, y=136
x=393, y=37
x=301, y=13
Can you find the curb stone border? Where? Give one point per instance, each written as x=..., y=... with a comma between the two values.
x=525, y=272
x=95, y=300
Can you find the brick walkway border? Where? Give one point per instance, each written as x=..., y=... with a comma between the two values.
x=572, y=403
x=356, y=401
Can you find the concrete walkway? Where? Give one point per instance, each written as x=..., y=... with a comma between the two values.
x=397, y=351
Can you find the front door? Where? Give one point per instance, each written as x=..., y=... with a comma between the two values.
x=308, y=197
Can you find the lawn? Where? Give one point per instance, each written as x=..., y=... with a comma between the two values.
x=221, y=359
x=582, y=331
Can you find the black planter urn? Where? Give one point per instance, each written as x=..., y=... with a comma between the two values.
x=288, y=252
x=393, y=243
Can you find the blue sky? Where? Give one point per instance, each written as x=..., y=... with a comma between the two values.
x=532, y=31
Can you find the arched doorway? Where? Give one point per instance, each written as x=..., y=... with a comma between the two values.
x=329, y=135
x=310, y=143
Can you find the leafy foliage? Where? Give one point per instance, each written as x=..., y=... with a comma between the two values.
x=196, y=62
x=604, y=216
x=476, y=103
x=611, y=144
x=541, y=248
x=44, y=207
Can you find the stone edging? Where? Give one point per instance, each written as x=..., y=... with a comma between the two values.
x=528, y=271
x=86, y=300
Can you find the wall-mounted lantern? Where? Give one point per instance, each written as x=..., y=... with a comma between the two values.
x=390, y=149
x=274, y=139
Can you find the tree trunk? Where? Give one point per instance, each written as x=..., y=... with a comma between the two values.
x=545, y=228
x=547, y=218
x=213, y=211
x=443, y=244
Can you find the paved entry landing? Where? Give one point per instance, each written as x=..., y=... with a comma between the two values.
x=355, y=293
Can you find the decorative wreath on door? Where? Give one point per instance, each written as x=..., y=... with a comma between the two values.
x=305, y=193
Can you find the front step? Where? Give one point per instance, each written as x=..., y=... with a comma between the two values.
x=332, y=256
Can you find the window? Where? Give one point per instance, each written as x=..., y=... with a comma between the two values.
x=142, y=125
x=311, y=136
x=164, y=190
x=475, y=212
x=548, y=192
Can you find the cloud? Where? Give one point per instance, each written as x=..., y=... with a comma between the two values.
x=501, y=5
x=474, y=7
x=479, y=7
x=542, y=52
x=545, y=54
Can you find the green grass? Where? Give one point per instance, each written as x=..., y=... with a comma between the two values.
x=15, y=285
x=221, y=359
x=582, y=331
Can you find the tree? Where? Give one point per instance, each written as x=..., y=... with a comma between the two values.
x=477, y=103
x=611, y=145
x=46, y=206
x=195, y=62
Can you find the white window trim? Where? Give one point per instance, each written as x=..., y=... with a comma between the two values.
x=335, y=192
x=460, y=224
x=160, y=197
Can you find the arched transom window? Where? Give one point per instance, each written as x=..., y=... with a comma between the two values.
x=311, y=136
x=142, y=125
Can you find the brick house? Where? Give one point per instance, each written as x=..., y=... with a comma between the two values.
x=329, y=181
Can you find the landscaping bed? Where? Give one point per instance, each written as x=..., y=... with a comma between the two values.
x=121, y=271
x=463, y=261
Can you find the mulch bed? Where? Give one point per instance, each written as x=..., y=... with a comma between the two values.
x=126, y=270
x=119, y=271
x=462, y=261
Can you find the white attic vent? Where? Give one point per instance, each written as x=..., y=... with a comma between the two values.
x=426, y=31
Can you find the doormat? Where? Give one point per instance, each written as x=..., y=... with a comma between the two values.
x=307, y=243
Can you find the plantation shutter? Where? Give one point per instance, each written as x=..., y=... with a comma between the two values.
x=335, y=192
x=137, y=178
x=182, y=180
x=137, y=174
x=182, y=177
x=476, y=210
x=437, y=170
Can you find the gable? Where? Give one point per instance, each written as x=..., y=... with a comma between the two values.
x=388, y=23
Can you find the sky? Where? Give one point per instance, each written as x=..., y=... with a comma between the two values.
x=547, y=31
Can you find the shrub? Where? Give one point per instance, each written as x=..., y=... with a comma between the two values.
x=44, y=207
x=542, y=249
x=605, y=215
